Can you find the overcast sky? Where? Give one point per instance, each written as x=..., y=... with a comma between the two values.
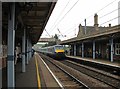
x=68, y=14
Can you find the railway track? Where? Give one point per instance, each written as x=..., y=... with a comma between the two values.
x=68, y=81
x=102, y=76
x=107, y=68
x=87, y=80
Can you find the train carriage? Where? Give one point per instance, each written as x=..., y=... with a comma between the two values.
x=56, y=51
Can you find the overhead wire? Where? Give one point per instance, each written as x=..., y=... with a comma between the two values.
x=103, y=15
x=109, y=13
x=66, y=14
x=47, y=33
x=60, y=14
x=87, y=17
x=99, y=11
x=60, y=32
x=69, y=29
x=110, y=20
x=106, y=6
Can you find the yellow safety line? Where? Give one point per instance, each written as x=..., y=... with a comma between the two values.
x=38, y=76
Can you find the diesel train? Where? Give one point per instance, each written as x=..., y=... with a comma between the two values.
x=56, y=51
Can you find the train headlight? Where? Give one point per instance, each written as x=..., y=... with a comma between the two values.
x=59, y=51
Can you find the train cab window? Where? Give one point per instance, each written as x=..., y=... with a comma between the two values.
x=58, y=47
x=117, y=48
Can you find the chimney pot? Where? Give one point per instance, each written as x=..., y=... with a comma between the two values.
x=80, y=25
x=96, y=20
x=109, y=25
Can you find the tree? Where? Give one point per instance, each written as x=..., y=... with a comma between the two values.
x=54, y=42
x=56, y=37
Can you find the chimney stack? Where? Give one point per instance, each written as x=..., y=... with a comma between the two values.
x=109, y=25
x=96, y=22
x=85, y=26
x=80, y=32
x=80, y=28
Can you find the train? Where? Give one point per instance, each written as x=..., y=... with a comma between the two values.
x=56, y=51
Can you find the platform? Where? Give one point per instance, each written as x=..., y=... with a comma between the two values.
x=37, y=76
x=100, y=61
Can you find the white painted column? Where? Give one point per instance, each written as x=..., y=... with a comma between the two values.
x=30, y=50
x=11, y=48
x=82, y=49
x=93, y=49
x=23, y=51
x=27, y=53
x=1, y=51
x=111, y=43
x=74, y=49
x=30, y=47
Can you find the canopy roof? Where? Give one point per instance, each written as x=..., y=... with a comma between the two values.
x=32, y=16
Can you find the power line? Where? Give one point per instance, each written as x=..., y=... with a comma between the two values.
x=89, y=16
x=60, y=13
x=105, y=14
x=109, y=13
x=110, y=20
x=60, y=32
x=47, y=33
x=106, y=6
x=98, y=11
x=102, y=17
x=69, y=29
x=89, y=22
x=66, y=14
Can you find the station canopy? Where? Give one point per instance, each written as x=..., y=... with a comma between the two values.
x=32, y=16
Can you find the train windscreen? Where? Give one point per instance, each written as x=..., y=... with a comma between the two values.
x=59, y=47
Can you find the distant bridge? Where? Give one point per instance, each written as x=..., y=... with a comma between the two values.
x=46, y=40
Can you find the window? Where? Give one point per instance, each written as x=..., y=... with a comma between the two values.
x=117, y=48
x=59, y=47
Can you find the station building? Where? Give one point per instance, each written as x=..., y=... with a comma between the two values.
x=96, y=42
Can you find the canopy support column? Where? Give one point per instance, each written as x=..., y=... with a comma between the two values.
x=23, y=51
x=82, y=49
x=111, y=44
x=74, y=49
x=93, y=49
x=11, y=48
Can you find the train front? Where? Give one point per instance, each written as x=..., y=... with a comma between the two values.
x=59, y=51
